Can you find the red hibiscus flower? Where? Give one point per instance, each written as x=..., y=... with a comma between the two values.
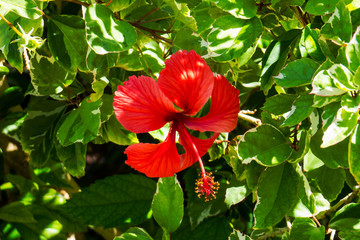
x=183, y=87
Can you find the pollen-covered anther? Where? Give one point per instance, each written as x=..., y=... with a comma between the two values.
x=206, y=186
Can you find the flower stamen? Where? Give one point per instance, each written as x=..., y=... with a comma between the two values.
x=206, y=186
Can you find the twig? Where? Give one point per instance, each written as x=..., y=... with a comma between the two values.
x=147, y=14
x=12, y=26
x=299, y=15
x=317, y=221
x=345, y=200
x=143, y=57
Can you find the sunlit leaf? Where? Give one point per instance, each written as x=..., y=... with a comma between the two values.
x=276, y=55
x=81, y=124
x=265, y=144
x=167, y=205
x=105, y=34
x=24, y=8
x=232, y=37
x=297, y=73
x=306, y=229
x=276, y=194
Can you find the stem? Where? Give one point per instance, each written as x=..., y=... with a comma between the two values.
x=147, y=14
x=12, y=26
x=345, y=200
x=299, y=15
x=188, y=138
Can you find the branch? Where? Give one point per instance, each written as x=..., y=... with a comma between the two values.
x=347, y=199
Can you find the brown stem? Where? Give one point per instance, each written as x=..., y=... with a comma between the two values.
x=147, y=14
x=299, y=15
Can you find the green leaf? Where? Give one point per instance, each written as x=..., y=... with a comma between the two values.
x=45, y=83
x=134, y=233
x=302, y=147
x=324, y=85
x=340, y=128
x=320, y=7
x=310, y=44
x=347, y=218
x=277, y=190
x=236, y=192
x=329, y=181
x=98, y=85
x=320, y=101
x=342, y=76
x=238, y=8
x=114, y=132
x=118, y=5
x=24, y=8
x=279, y=104
x=297, y=73
x=129, y=60
x=181, y=12
x=334, y=156
x=253, y=171
x=113, y=201
x=237, y=235
x=37, y=129
x=305, y=203
x=352, y=51
x=81, y=124
x=73, y=157
x=23, y=184
x=354, y=153
x=106, y=109
x=301, y=109
x=198, y=209
x=338, y=28
x=67, y=42
x=16, y=212
x=306, y=229
x=329, y=114
x=266, y=144
x=106, y=35
x=99, y=64
x=167, y=205
x=212, y=228
x=232, y=37
x=275, y=56
x=152, y=58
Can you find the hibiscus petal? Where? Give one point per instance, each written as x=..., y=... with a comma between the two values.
x=202, y=145
x=187, y=81
x=140, y=106
x=155, y=160
x=224, y=109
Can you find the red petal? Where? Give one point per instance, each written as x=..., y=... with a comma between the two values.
x=155, y=160
x=225, y=106
x=140, y=106
x=202, y=145
x=187, y=81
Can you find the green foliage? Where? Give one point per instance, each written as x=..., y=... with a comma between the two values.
x=289, y=170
